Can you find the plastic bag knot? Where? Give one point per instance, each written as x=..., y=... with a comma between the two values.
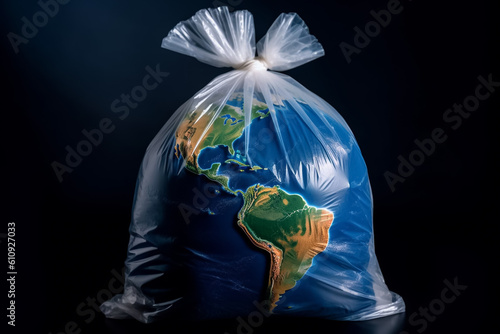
x=255, y=64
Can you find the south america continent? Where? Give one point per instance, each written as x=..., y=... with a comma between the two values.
x=286, y=227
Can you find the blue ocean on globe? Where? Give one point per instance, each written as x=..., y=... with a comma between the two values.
x=227, y=271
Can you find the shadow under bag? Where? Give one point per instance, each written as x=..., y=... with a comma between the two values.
x=254, y=195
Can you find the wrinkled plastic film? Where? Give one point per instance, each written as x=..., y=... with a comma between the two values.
x=215, y=36
x=254, y=191
x=288, y=44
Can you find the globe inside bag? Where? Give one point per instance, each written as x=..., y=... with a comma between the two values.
x=254, y=194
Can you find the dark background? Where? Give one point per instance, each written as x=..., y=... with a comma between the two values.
x=440, y=224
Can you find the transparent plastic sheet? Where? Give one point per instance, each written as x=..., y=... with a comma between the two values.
x=254, y=195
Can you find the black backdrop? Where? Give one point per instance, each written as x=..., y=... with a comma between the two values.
x=61, y=76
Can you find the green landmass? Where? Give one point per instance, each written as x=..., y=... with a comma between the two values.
x=199, y=131
x=285, y=226
x=226, y=134
x=234, y=161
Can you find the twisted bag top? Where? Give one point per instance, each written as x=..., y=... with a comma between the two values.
x=223, y=39
x=254, y=194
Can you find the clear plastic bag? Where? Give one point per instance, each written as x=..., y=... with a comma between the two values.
x=254, y=195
